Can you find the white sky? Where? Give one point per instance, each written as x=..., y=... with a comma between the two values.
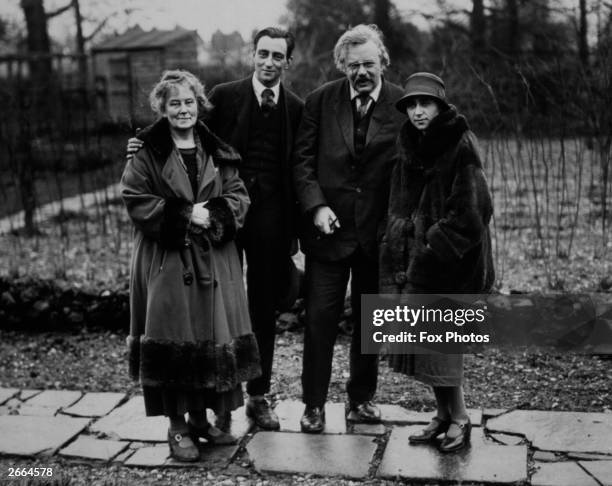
x=206, y=16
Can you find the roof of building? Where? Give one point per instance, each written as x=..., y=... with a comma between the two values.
x=137, y=39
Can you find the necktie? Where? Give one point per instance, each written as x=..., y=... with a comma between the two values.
x=267, y=101
x=362, y=104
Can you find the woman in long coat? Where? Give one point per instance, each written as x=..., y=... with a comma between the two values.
x=190, y=342
x=437, y=237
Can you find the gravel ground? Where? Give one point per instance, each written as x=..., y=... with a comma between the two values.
x=90, y=361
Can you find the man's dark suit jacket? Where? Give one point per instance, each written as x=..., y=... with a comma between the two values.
x=327, y=171
x=230, y=121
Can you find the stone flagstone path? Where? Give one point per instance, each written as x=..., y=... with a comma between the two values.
x=537, y=448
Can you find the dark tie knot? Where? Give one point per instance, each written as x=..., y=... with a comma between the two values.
x=267, y=100
x=362, y=104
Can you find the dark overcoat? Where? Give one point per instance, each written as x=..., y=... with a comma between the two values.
x=327, y=170
x=437, y=235
x=190, y=325
x=230, y=120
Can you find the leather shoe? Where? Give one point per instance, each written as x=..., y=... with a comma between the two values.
x=436, y=427
x=453, y=444
x=313, y=420
x=363, y=413
x=260, y=412
x=223, y=421
x=182, y=447
x=212, y=434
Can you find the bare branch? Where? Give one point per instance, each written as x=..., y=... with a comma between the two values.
x=59, y=11
x=98, y=28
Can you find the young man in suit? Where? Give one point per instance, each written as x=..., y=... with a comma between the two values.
x=259, y=116
x=344, y=153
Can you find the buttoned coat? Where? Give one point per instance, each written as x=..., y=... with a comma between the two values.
x=328, y=172
x=190, y=325
x=230, y=119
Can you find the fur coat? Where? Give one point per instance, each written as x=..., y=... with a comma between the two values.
x=190, y=325
x=436, y=236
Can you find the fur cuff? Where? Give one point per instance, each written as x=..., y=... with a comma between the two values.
x=199, y=364
x=445, y=246
x=222, y=224
x=177, y=214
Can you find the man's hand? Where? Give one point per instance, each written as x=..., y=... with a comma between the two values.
x=325, y=220
x=200, y=215
x=134, y=144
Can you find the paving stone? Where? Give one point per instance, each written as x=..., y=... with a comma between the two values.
x=290, y=412
x=320, y=454
x=585, y=456
x=240, y=425
x=395, y=414
x=493, y=412
x=559, y=431
x=33, y=410
x=129, y=422
x=369, y=429
x=153, y=456
x=123, y=456
x=545, y=456
x=211, y=457
x=601, y=470
x=54, y=399
x=26, y=436
x=481, y=462
x=92, y=448
x=561, y=474
x=6, y=393
x=26, y=394
x=508, y=439
x=95, y=404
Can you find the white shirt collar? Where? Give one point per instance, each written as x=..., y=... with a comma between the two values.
x=258, y=87
x=374, y=94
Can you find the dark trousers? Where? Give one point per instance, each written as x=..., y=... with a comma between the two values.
x=325, y=292
x=264, y=243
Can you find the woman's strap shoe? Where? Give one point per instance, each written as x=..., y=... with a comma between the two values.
x=453, y=444
x=212, y=434
x=182, y=447
x=436, y=427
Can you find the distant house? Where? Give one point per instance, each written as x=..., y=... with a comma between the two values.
x=127, y=66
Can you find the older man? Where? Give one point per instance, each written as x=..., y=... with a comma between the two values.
x=344, y=153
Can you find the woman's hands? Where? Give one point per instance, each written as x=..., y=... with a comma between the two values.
x=200, y=215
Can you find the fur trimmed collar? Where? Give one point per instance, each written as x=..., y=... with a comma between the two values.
x=444, y=132
x=158, y=137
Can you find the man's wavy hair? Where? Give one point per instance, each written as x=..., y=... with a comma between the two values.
x=360, y=34
x=159, y=93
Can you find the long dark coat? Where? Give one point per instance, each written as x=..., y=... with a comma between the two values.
x=437, y=236
x=190, y=325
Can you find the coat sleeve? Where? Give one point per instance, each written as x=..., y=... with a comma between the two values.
x=165, y=220
x=468, y=210
x=308, y=190
x=228, y=211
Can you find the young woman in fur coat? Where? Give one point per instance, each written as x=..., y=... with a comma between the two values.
x=437, y=236
x=190, y=340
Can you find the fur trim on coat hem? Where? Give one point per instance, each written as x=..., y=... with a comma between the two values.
x=222, y=223
x=194, y=365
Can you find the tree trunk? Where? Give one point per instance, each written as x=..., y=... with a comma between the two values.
x=478, y=30
x=583, y=46
x=37, y=39
x=512, y=32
